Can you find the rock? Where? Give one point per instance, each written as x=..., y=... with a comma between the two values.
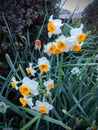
x=90, y=16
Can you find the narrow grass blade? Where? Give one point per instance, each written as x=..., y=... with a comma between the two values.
x=31, y=122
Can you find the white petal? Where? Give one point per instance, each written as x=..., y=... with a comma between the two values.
x=30, y=64
x=28, y=101
x=81, y=26
x=38, y=104
x=33, y=72
x=25, y=79
x=57, y=31
x=13, y=79
x=16, y=87
x=49, y=34
x=51, y=18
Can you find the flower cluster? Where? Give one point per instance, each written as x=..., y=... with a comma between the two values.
x=29, y=88
x=62, y=43
x=35, y=87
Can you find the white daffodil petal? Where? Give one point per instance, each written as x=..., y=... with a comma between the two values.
x=28, y=101
x=15, y=83
x=76, y=31
x=32, y=84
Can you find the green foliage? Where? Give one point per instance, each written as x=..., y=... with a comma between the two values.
x=74, y=96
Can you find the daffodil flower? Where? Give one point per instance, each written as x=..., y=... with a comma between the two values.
x=26, y=101
x=43, y=64
x=61, y=44
x=75, y=70
x=50, y=48
x=3, y=107
x=14, y=83
x=76, y=47
x=54, y=26
x=42, y=107
x=29, y=86
x=49, y=84
x=30, y=70
x=78, y=33
x=24, y=89
x=64, y=44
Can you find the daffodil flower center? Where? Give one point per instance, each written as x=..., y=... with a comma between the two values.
x=24, y=90
x=43, y=67
x=28, y=70
x=61, y=45
x=23, y=102
x=76, y=47
x=13, y=84
x=42, y=109
x=52, y=49
x=81, y=37
x=50, y=26
x=57, y=51
x=50, y=86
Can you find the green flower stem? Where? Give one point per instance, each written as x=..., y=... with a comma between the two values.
x=43, y=98
x=5, y=123
x=22, y=71
x=60, y=123
x=67, y=113
x=12, y=65
x=87, y=64
x=31, y=122
x=59, y=78
x=37, y=124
